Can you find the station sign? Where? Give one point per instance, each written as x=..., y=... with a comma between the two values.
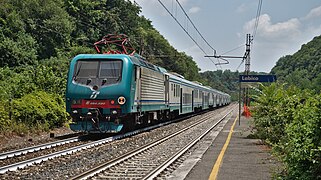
x=256, y=78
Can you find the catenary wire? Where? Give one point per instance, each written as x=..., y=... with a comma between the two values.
x=186, y=15
x=186, y=32
x=194, y=25
x=238, y=47
x=258, y=13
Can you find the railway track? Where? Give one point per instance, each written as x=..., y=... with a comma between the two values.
x=31, y=161
x=148, y=161
x=22, y=164
x=19, y=152
x=69, y=164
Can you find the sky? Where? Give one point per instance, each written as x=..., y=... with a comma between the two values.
x=284, y=26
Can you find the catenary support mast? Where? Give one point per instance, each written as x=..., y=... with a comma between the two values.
x=247, y=59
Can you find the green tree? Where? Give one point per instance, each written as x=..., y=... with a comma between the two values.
x=45, y=20
x=20, y=50
x=301, y=68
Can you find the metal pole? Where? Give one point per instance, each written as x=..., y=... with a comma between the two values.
x=247, y=67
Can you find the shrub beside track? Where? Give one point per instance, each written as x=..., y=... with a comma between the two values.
x=289, y=120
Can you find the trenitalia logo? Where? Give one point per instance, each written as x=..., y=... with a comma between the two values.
x=94, y=95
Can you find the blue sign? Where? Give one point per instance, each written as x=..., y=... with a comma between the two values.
x=257, y=78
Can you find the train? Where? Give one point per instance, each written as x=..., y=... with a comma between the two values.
x=111, y=93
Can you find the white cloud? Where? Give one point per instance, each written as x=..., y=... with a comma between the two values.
x=274, y=40
x=314, y=13
x=287, y=30
x=194, y=10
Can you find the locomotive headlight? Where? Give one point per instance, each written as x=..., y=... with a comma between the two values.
x=74, y=101
x=121, y=100
x=75, y=112
x=95, y=87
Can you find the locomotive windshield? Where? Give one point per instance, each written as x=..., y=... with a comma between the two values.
x=86, y=69
x=98, y=72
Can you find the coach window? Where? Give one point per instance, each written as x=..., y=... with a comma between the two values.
x=174, y=90
x=177, y=89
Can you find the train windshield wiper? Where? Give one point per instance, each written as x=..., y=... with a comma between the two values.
x=77, y=73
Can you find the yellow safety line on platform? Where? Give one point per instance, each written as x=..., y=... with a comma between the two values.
x=218, y=162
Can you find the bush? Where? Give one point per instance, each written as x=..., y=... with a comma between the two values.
x=269, y=116
x=289, y=120
x=302, y=144
x=32, y=107
x=40, y=109
x=4, y=116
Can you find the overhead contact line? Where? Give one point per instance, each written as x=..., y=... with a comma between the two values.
x=258, y=13
x=187, y=32
x=194, y=25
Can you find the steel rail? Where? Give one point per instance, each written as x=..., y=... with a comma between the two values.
x=113, y=162
x=26, y=150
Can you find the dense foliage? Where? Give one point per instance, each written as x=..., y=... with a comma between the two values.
x=303, y=68
x=22, y=96
x=289, y=119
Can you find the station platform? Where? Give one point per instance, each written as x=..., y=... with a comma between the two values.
x=236, y=157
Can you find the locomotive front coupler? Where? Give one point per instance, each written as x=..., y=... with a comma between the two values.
x=93, y=115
